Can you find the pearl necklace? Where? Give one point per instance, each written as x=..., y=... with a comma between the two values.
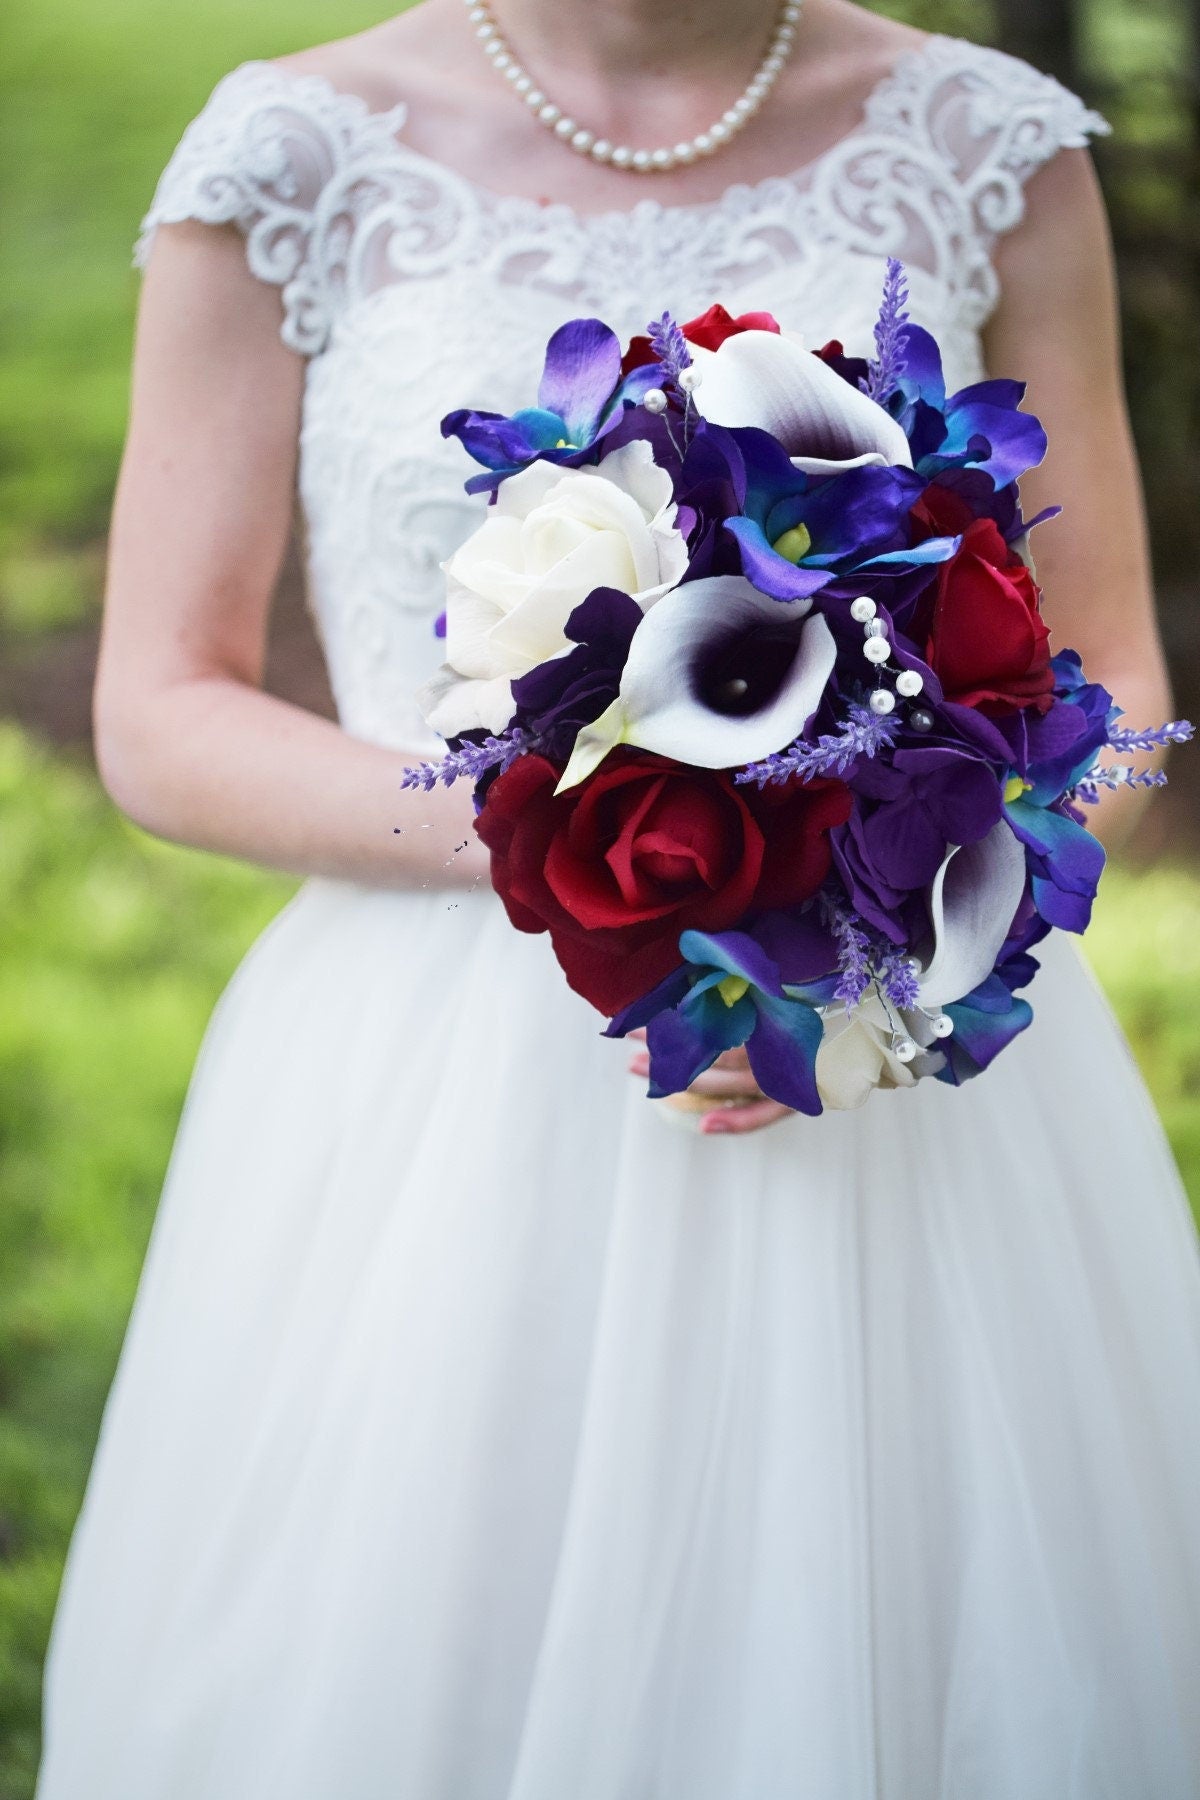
x=620, y=156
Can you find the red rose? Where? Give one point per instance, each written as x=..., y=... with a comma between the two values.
x=617, y=868
x=987, y=643
x=711, y=329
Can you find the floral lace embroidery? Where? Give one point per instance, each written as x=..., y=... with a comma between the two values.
x=333, y=203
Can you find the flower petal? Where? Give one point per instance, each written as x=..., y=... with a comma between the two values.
x=664, y=711
x=772, y=382
x=583, y=366
x=974, y=896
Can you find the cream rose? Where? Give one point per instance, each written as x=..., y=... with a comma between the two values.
x=552, y=536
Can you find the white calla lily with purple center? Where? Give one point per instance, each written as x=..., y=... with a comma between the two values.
x=718, y=675
x=769, y=380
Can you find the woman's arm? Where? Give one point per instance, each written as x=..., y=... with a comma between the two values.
x=187, y=743
x=1057, y=326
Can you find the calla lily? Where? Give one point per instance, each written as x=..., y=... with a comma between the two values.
x=769, y=380
x=717, y=675
x=972, y=903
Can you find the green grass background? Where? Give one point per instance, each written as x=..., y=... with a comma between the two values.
x=113, y=947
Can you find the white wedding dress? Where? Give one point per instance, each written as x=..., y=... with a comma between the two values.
x=479, y=1437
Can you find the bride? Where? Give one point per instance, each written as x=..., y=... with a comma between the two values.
x=476, y=1437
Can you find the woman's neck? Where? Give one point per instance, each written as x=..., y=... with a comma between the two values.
x=614, y=39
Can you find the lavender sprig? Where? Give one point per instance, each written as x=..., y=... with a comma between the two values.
x=472, y=761
x=853, y=954
x=891, y=335
x=898, y=979
x=1116, y=776
x=1179, y=731
x=669, y=345
x=864, y=734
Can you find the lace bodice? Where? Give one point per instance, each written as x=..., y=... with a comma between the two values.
x=411, y=290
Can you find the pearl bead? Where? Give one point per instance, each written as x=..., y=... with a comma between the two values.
x=882, y=701
x=689, y=379
x=654, y=400
x=920, y=720
x=862, y=609
x=622, y=156
x=877, y=650
x=909, y=683
x=942, y=1026
x=904, y=1049
x=874, y=628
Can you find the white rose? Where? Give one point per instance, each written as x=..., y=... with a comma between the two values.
x=553, y=535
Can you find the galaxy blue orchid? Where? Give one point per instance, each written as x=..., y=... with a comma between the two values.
x=582, y=395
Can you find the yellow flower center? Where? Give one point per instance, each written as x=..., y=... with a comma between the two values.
x=732, y=989
x=565, y=444
x=1014, y=787
x=794, y=545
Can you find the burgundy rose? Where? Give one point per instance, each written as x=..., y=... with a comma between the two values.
x=987, y=643
x=617, y=868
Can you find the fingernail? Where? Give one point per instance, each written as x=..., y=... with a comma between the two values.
x=640, y=1065
x=714, y=1126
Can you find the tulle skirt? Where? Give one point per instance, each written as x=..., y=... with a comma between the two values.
x=479, y=1437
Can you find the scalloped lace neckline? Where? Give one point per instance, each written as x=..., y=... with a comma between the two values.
x=514, y=206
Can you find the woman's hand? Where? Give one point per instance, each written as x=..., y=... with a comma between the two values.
x=739, y=1104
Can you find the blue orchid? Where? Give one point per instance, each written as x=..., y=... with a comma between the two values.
x=980, y=426
x=1051, y=753
x=985, y=1022
x=583, y=393
x=797, y=533
x=731, y=990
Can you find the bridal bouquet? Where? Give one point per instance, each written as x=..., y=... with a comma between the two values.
x=747, y=665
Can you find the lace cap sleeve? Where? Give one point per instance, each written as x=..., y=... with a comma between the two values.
x=993, y=120
x=277, y=155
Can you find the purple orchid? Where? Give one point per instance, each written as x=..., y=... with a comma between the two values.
x=582, y=395
x=980, y=426
x=760, y=990
x=797, y=533
x=560, y=696
x=926, y=798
